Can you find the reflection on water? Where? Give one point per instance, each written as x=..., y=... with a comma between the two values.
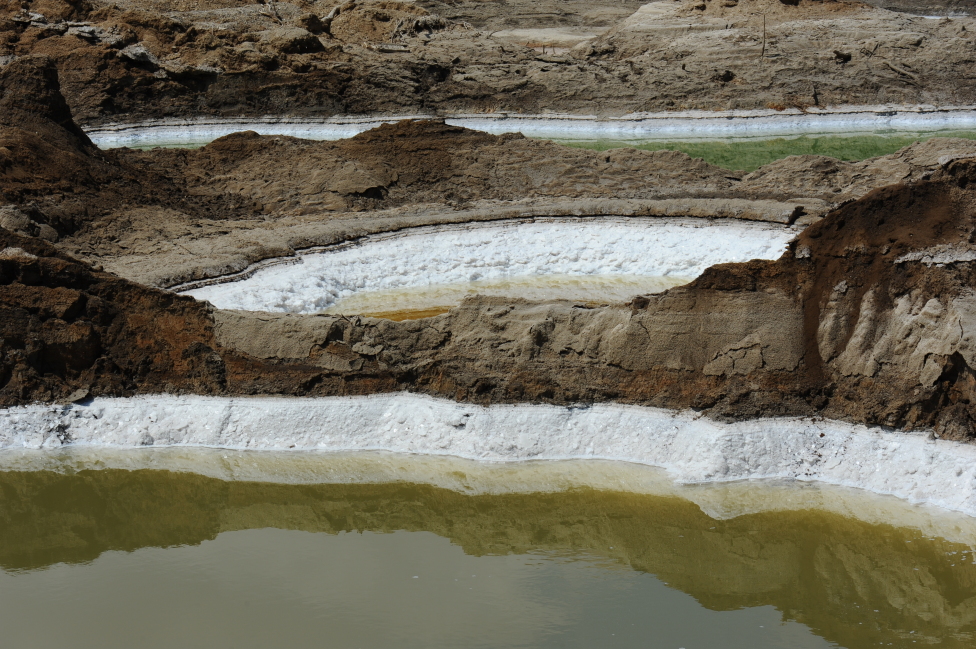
x=750, y=154
x=422, y=301
x=568, y=568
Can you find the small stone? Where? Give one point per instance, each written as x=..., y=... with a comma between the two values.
x=291, y=40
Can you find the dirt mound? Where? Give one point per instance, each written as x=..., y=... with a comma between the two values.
x=51, y=172
x=67, y=331
x=30, y=98
x=379, y=22
x=885, y=318
x=868, y=317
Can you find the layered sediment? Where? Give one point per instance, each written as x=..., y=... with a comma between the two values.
x=167, y=217
x=866, y=318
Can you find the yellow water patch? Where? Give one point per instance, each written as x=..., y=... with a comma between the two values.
x=408, y=314
x=853, y=583
x=425, y=301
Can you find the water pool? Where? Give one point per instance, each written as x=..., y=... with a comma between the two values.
x=736, y=139
x=159, y=558
x=752, y=153
x=430, y=269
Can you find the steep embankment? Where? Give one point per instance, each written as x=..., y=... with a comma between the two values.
x=867, y=318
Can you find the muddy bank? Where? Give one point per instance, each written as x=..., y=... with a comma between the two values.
x=866, y=318
x=146, y=59
x=167, y=217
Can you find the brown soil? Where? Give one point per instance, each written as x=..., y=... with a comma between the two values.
x=169, y=216
x=868, y=317
x=130, y=59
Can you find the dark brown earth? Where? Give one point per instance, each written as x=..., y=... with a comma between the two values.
x=168, y=216
x=837, y=328
x=868, y=317
x=138, y=59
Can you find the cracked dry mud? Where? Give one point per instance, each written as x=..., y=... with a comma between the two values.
x=868, y=317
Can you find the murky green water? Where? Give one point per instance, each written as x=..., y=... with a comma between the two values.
x=152, y=558
x=730, y=153
x=750, y=154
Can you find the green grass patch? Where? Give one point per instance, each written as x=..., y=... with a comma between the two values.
x=749, y=155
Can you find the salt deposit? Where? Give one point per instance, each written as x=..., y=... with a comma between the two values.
x=691, y=448
x=449, y=255
x=692, y=124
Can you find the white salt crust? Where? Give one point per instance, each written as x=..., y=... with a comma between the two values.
x=691, y=448
x=448, y=255
x=684, y=125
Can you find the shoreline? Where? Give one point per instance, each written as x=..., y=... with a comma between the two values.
x=719, y=501
x=691, y=448
x=747, y=124
x=444, y=254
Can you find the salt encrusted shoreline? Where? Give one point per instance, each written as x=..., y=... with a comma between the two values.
x=678, y=124
x=718, y=500
x=691, y=448
x=447, y=254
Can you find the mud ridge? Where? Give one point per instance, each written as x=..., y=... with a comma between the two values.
x=867, y=318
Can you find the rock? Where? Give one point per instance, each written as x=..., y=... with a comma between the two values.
x=291, y=40
x=137, y=52
x=82, y=31
x=46, y=232
x=16, y=221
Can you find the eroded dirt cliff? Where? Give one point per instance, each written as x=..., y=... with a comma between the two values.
x=868, y=317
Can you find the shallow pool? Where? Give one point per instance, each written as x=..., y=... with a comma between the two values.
x=735, y=153
x=428, y=270
x=424, y=301
x=752, y=153
x=160, y=558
